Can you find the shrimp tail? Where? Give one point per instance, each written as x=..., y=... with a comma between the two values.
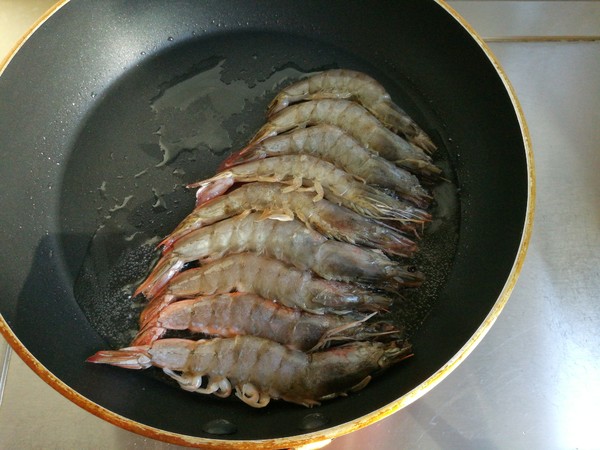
x=212, y=187
x=154, y=307
x=266, y=131
x=166, y=268
x=277, y=104
x=128, y=358
x=249, y=153
x=148, y=334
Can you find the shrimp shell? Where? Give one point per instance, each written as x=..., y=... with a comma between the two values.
x=321, y=176
x=358, y=123
x=288, y=241
x=327, y=218
x=228, y=315
x=259, y=369
x=268, y=278
x=358, y=87
x=336, y=146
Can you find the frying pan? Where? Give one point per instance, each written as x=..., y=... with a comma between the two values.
x=103, y=119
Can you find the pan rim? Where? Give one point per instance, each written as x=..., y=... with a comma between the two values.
x=360, y=422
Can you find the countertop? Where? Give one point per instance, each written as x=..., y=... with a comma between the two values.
x=534, y=380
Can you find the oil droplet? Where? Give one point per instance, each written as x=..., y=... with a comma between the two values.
x=159, y=203
x=219, y=426
x=122, y=204
x=312, y=421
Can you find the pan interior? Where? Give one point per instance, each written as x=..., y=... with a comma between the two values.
x=102, y=91
x=170, y=121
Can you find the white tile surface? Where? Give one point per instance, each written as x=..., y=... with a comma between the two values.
x=498, y=19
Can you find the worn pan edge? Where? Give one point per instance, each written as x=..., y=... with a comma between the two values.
x=360, y=422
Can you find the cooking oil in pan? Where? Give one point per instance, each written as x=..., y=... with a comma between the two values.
x=193, y=112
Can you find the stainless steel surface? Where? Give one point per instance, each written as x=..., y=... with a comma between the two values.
x=534, y=380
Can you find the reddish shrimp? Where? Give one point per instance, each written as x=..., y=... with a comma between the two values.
x=234, y=314
x=308, y=172
x=268, y=278
x=288, y=241
x=361, y=88
x=358, y=123
x=259, y=369
x=329, y=219
x=336, y=146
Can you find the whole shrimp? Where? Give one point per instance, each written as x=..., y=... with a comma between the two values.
x=234, y=314
x=327, y=218
x=336, y=146
x=321, y=176
x=259, y=369
x=268, y=278
x=361, y=88
x=289, y=241
x=358, y=123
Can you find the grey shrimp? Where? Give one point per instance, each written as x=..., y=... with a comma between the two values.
x=235, y=314
x=328, y=218
x=308, y=172
x=358, y=123
x=259, y=369
x=333, y=144
x=268, y=278
x=361, y=88
x=291, y=242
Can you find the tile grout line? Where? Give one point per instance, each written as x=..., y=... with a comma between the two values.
x=4, y=372
x=565, y=38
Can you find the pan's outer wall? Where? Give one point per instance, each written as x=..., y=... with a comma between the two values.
x=88, y=45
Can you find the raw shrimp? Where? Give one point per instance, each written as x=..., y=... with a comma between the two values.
x=228, y=315
x=336, y=146
x=358, y=123
x=268, y=278
x=361, y=88
x=259, y=369
x=321, y=176
x=327, y=218
x=291, y=242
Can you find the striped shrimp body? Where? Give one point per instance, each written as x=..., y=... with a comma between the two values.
x=308, y=172
x=259, y=369
x=269, y=278
x=234, y=314
x=361, y=88
x=336, y=146
x=288, y=241
x=327, y=218
x=358, y=123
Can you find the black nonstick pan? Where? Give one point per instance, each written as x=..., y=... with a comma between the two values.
x=109, y=108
